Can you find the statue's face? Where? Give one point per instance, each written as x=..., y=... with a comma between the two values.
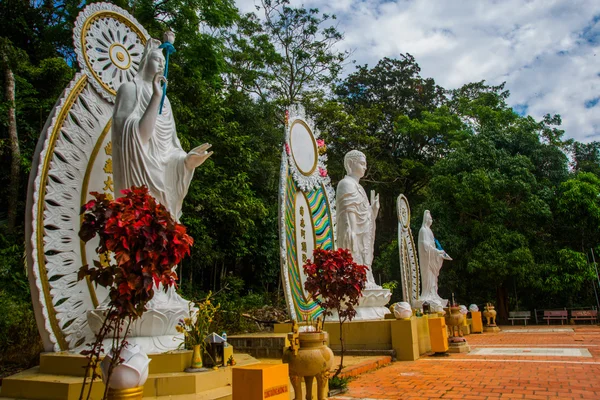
x=428, y=219
x=156, y=63
x=359, y=167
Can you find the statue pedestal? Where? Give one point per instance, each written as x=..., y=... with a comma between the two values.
x=458, y=345
x=434, y=305
x=476, y=322
x=155, y=331
x=492, y=329
x=371, y=306
x=438, y=335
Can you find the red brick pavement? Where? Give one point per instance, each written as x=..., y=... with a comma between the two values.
x=464, y=376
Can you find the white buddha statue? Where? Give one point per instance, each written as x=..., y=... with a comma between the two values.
x=430, y=263
x=356, y=232
x=355, y=215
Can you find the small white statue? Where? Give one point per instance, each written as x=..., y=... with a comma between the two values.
x=145, y=146
x=402, y=310
x=356, y=215
x=430, y=263
x=463, y=309
x=473, y=308
x=132, y=372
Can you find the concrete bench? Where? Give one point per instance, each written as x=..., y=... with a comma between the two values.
x=584, y=315
x=561, y=315
x=519, y=316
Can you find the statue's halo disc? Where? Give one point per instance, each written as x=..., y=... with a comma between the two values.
x=304, y=148
x=109, y=44
x=403, y=211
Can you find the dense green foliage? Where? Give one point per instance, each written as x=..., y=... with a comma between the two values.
x=514, y=203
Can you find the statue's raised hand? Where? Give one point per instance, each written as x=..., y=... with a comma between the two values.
x=374, y=202
x=157, y=82
x=197, y=156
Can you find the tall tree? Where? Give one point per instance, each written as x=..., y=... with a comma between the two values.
x=287, y=52
x=494, y=199
x=13, y=137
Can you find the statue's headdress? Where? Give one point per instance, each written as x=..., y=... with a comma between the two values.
x=424, y=223
x=151, y=46
x=352, y=156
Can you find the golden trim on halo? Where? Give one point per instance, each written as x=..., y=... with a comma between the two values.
x=62, y=115
x=120, y=56
x=84, y=193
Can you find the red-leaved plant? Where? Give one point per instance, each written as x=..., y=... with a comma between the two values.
x=146, y=243
x=336, y=282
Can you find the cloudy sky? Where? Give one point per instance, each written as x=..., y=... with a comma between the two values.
x=547, y=51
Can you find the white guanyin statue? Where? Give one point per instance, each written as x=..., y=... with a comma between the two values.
x=356, y=231
x=147, y=151
x=430, y=263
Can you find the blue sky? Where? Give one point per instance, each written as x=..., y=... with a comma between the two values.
x=547, y=51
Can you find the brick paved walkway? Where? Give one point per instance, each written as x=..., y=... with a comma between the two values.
x=464, y=376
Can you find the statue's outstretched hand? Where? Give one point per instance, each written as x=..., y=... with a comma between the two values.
x=157, y=81
x=374, y=202
x=197, y=156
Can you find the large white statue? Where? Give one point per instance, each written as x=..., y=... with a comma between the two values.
x=430, y=263
x=146, y=150
x=356, y=216
x=356, y=232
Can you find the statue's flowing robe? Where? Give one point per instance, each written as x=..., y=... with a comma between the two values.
x=355, y=225
x=158, y=164
x=430, y=263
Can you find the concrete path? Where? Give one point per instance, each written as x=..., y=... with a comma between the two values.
x=518, y=364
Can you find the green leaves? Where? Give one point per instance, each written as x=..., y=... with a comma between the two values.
x=290, y=53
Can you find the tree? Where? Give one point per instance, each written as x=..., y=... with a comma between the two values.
x=493, y=198
x=291, y=52
x=586, y=157
x=13, y=137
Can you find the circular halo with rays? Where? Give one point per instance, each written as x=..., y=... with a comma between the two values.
x=109, y=44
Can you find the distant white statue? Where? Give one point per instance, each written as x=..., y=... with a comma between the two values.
x=145, y=146
x=430, y=263
x=356, y=215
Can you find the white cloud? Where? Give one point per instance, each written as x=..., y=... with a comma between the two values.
x=548, y=51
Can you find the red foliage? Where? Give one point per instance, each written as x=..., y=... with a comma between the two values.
x=335, y=281
x=146, y=243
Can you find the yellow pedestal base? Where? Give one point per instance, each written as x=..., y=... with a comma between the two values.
x=60, y=376
x=423, y=332
x=261, y=381
x=476, y=322
x=409, y=338
x=438, y=335
x=491, y=329
x=126, y=394
x=405, y=339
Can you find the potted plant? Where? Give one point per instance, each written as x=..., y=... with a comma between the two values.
x=196, y=328
x=336, y=283
x=144, y=243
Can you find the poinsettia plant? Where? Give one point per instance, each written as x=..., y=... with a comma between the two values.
x=336, y=283
x=146, y=243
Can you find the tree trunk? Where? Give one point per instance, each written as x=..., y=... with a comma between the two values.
x=502, y=304
x=341, y=366
x=15, y=164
